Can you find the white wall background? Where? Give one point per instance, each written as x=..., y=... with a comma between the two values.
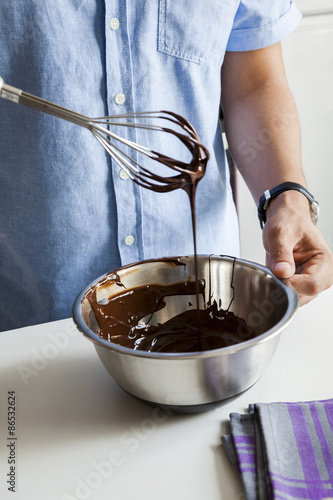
x=308, y=55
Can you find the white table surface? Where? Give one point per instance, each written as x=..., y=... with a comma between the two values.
x=79, y=436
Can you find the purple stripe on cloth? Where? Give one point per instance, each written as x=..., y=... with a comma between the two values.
x=247, y=458
x=306, y=452
x=322, y=440
x=244, y=439
x=301, y=492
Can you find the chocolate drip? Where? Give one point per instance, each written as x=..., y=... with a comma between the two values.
x=189, y=175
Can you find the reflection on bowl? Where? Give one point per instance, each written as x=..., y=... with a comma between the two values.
x=185, y=380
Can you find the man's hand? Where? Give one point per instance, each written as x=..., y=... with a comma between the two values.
x=295, y=248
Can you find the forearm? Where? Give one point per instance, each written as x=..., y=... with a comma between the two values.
x=261, y=123
x=264, y=137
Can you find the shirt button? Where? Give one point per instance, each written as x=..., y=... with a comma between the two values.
x=114, y=23
x=123, y=175
x=129, y=240
x=119, y=98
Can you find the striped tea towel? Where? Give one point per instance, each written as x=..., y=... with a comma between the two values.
x=284, y=450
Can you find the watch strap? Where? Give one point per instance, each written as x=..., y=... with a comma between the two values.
x=281, y=188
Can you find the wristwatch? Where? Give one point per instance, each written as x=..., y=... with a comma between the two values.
x=281, y=188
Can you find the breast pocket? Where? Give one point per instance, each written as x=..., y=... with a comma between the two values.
x=194, y=30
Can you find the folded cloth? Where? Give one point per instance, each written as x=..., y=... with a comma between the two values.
x=284, y=450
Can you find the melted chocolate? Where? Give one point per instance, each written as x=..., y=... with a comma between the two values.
x=125, y=320
x=125, y=317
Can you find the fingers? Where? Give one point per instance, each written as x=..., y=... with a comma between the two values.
x=313, y=277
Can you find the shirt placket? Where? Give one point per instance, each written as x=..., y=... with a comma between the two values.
x=119, y=85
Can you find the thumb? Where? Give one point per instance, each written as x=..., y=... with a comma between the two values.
x=280, y=259
x=282, y=269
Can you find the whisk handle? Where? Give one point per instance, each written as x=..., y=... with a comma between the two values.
x=18, y=96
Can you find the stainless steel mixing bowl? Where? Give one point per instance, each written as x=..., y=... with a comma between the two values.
x=198, y=378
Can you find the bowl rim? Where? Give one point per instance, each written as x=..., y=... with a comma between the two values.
x=292, y=308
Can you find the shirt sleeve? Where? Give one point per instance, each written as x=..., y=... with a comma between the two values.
x=260, y=23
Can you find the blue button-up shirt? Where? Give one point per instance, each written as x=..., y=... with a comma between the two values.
x=68, y=213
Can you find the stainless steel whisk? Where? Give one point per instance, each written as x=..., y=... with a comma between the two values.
x=187, y=171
